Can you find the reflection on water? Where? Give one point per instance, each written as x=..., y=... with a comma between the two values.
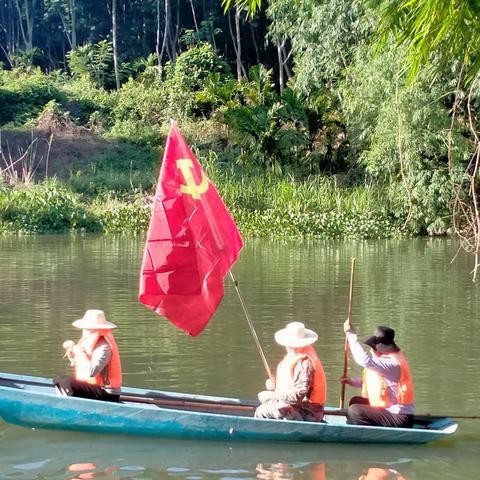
x=376, y=473
x=284, y=471
x=56, y=455
x=59, y=455
x=47, y=282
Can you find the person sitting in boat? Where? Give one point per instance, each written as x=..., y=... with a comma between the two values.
x=96, y=360
x=387, y=385
x=298, y=391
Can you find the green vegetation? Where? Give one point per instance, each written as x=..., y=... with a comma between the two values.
x=358, y=129
x=266, y=207
x=43, y=208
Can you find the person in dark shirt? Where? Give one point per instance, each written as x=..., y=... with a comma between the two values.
x=387, y=386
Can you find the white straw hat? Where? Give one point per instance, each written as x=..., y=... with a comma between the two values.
x=94, y=320
x=295, y=335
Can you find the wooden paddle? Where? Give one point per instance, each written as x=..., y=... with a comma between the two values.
x=160, y=397
x=247, y=408
x=191, y=404
x=345, y=350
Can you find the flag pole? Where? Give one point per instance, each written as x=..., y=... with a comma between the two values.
x=349, y=318
x=252, y=328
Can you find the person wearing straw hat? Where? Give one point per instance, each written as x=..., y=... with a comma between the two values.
x=298, y=391
x=96, y=361
x=387, y=384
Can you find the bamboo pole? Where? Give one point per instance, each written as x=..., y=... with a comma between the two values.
x=345, y=349
x=252, y=328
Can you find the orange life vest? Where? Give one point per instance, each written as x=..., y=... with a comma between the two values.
x=286, y=369
x=83, y=359
x=375, y=388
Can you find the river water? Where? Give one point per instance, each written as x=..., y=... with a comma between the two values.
x=49, y=281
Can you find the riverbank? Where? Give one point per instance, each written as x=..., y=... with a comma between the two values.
x=77, y=157
x=78, y=181
x=262, y=207
x=72, y=180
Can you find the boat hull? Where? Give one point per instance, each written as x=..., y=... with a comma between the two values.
x=38, y=406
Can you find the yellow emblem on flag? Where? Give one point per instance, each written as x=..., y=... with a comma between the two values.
x=196, y=190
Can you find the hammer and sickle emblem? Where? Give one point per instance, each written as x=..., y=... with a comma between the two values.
x=192, y=188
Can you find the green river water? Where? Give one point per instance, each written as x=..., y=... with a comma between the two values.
x=46, y=282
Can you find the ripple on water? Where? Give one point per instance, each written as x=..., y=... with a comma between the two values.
x=32, y=465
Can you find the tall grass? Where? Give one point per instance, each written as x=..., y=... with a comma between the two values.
x=262, y=205
x=268, y=206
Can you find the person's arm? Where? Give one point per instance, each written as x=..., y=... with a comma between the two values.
x=356, y=382
x=386, y=366
x=302, y=383
x=100, y=358
x=69, y=345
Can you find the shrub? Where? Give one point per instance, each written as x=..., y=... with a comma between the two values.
x=23, y=95
x=186, y=77
x=116, y=216
x=93, y=61
x=139, y=110
x=42, y=208
x=402, y=133
x=88, y=104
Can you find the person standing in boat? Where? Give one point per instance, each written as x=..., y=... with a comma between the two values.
x=387, y=385
x=298, y=391
x=96, y=361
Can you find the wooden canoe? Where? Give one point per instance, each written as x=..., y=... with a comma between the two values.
x=32, y=402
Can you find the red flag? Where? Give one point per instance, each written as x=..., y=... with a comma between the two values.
x=191, y=244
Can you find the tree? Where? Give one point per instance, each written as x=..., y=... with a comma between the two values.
x=447, y=33
x=250, y=6
x=67, y=12
x=115, y=43
x=448, y=29
x=323, y=36
x=26, y=18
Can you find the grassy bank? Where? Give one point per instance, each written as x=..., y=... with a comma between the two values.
x=262, y=207
x=78, y=157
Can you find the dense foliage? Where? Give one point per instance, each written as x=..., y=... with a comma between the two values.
x=306, y=115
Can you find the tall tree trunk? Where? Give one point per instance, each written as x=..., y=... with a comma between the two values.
x=27, y=30
x=280, y=68
x=157, y=43
x=283, y=70
x=166, y=31
x=214, y=43
x=194, y=17
x=239, y=43
x=66, y=27
x=7, y=23
x=114, y=42
x=257, y=53
x=73, y=19
x=173, y=37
